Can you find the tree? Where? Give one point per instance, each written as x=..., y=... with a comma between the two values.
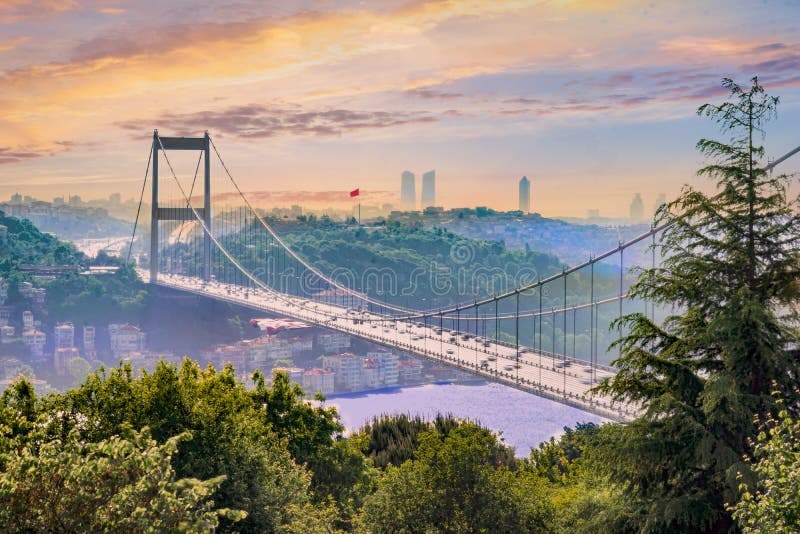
x=230, y=437
x=18, y=416
x=393, y=439
x=116, y=485
x=313, y=435
x=730, y=266
x=774, y=506
x=554, y=460
x=283, y=362
x=462, y=482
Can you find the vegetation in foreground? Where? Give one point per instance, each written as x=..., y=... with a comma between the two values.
x=717, y=448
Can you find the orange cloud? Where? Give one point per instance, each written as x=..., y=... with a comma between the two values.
x=112, y=10
x=11, y=44
x=705, y=45
x=164, y=62
x=15, y=10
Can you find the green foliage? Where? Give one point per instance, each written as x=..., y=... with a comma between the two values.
x=461, y=482
x=393, y=439
x=394, y=262
x=731, y=264
x=773, y=504
x=554, y=460
x=313, y=437
x=122, y=484
x=97, y=299
x=27, y=245
x=18, y=416
x=70, y=296
x=231, y=436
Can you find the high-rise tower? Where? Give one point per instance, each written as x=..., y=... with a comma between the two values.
x=524, y=195
x=408, y=193
x=637, y=208
x=429, y=189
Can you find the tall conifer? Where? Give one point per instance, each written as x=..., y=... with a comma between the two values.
x=731, y=272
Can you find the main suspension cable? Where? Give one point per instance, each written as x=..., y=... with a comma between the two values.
x=213, y=238
x=141, y=198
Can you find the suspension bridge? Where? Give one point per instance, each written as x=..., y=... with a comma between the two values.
x=546, y=335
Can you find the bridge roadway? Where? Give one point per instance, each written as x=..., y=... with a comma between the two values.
x=550, y=376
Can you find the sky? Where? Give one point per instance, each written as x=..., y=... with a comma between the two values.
x=593, y=100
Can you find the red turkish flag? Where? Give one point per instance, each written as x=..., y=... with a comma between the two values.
x=354, y=193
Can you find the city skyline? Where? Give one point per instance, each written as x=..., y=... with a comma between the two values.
x=308, y=94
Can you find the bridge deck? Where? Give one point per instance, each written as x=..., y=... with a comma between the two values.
x=538, y=373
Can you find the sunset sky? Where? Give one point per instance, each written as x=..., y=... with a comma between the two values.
x=592, y=100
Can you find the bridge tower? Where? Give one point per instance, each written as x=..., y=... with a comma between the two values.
x=181, y=214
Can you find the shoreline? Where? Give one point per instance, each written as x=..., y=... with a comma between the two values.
x=399, y=387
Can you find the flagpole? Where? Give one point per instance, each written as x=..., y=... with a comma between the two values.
x=359, y=213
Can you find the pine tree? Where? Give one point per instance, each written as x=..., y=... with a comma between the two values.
x=730, y=269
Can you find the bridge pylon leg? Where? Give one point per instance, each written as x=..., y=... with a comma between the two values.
x=207, y=209
x=154, y=213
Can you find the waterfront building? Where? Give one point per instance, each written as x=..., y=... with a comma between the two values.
x=348, y=369
x=410, y=372
x=318, y=381
x=388, y=374
x=370, y=375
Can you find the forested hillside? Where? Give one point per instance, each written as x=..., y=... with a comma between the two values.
x=70, y=296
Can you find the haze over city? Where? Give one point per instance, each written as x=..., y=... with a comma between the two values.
x=348, y=266
x=329, y=96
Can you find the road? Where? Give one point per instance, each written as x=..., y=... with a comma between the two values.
x=550, y=376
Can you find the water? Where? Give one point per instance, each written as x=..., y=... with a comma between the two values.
x=521, y=419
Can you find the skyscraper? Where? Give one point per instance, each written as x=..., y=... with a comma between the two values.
x=429, y=189
x=524, y=195
x=408, y=193
x=637, y=208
